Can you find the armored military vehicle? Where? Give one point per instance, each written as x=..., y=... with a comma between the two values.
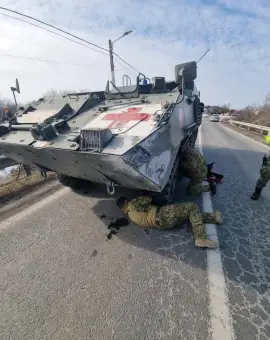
x=131, y=135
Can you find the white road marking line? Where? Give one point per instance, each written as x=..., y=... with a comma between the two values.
x=9, y=221
x=221, y=325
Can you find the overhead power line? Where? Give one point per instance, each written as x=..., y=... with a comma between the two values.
x=125, y=62
x=59, y=29
x=44, y=23
x=43, y=60
x=123, y=66
x=60, y=35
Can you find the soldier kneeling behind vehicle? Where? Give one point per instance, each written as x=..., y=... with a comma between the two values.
x=145, y=214
x=194, y=166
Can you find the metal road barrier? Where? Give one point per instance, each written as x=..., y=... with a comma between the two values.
x=262, y=130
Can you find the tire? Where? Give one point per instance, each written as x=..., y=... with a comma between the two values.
x=193, y=139
x=73, y=182
x=166, y=196
x=198, y=111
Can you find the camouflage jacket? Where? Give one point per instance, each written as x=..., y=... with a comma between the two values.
x=194, y=163
x=141, y=211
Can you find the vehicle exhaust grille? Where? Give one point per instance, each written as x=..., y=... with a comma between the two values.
x=95, y=139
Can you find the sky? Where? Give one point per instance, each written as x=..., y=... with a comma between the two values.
x=236, y=70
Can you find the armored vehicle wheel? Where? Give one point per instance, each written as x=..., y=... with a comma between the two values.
x=167, y=194
x=193, y=139
x=72, y=182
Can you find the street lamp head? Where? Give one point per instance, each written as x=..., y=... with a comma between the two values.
x=123, y=35
x=128, y=32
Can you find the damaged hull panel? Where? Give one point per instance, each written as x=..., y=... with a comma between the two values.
x=90, y=166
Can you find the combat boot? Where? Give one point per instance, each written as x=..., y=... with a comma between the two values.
x=213, y=188
x=205, y=243
x=256, y=194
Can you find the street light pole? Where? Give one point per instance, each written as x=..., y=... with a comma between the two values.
x=111, y=54
x=111, y=61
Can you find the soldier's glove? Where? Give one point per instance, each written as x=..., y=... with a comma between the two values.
x=264, y=160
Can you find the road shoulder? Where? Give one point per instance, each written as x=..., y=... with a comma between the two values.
x=258, y=139
x=28, y=196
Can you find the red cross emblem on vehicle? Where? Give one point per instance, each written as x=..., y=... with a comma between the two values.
x=132, y=114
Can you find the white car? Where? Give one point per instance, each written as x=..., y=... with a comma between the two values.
x=214, y=118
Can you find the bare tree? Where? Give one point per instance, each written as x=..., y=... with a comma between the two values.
x=56, y=93
x=246, y=115
x=59, y=93
x=219, y=109
x=8, y=104
x=267, y=100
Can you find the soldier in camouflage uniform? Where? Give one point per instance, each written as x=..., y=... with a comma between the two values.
x=263, y=179
x=145, y=214
x=195, y=167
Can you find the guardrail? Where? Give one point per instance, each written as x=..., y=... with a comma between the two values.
x=261, y=129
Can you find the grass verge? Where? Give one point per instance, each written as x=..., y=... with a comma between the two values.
x=16, y=184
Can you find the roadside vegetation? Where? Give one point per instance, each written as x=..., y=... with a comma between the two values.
x=254, y=114
x=14, y=182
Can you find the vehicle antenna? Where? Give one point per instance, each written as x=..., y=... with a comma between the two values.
x=204, y=55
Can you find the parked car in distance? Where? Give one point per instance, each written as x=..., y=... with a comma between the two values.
x=214, y=118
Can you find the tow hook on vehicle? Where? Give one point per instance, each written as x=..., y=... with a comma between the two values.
x=110, y=187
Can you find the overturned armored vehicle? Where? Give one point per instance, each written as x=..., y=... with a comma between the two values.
x=130, y=136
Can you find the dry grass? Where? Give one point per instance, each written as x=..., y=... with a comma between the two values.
x=255, y=115
x=13, y=184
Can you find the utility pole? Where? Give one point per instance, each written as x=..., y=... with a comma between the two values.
x=111, y=54
x=111, y=61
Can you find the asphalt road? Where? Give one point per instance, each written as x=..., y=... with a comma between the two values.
x=61, y=278
x=245, y=236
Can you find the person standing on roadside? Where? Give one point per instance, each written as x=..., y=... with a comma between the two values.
x=263, y=179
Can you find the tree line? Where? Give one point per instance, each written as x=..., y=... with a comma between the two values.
x=256, y=114
x=251, y=114
x=8, y=104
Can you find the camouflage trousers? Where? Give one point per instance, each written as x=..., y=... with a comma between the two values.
x=264, y=177
x=170, y=215
x=196, y=176
x=195, y=186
